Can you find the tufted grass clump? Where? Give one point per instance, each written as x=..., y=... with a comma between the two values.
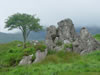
x=12, y=57
x=50, y=52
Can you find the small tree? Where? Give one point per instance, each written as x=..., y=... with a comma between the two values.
x=25, y=22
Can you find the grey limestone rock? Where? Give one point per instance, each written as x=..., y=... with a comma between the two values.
x=40, y=56
x=50, y=37
x=66, y=30
x=26, y=60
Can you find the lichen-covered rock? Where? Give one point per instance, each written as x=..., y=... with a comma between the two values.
x=26, y=60
x=40, y=56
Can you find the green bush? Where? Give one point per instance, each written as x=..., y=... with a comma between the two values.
x=29, y=51
x=14, y=59
x=50, y=52
x=40, y=47
x=68, y=46
x=59, y=43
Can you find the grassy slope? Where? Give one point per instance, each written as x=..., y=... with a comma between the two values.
x=61, y=63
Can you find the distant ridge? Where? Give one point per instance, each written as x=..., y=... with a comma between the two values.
x=8, y=37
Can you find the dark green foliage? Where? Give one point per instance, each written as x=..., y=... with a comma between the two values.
x=29, y=51
x=40, y=47
x=68, y=46
x=21, y=21
x=50, y=52
x=10, y=54
x=59, y=43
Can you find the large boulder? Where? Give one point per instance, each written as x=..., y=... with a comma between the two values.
x=26, y=60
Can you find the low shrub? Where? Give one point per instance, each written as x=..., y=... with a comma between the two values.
x=29, y=51
x=59, y=43
x=50, y=52
x=68, y=45
x=40, y=47
x=13, y=59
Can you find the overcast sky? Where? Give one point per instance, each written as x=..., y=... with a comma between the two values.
x=82, y=12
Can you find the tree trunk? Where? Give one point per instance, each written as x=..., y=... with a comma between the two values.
x=24, y=44
x=25, y=39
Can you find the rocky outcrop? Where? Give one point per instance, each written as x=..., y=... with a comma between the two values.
x=64, y=34
x=26, y=60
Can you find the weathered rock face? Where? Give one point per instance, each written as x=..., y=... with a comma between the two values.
x=66, y=30
x=86, y=43
x=26, y=60
x=65, y=33
x=40, y=56
x=50, y=37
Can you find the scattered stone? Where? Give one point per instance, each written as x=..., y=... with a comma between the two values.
x=35, y=42
x=19, y=45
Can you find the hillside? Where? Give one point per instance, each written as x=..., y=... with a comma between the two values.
x=8, y=37
x=60, y=63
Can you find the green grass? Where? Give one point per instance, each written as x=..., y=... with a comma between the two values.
x=97, y=37
x=60, y=63
x=10, y=54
